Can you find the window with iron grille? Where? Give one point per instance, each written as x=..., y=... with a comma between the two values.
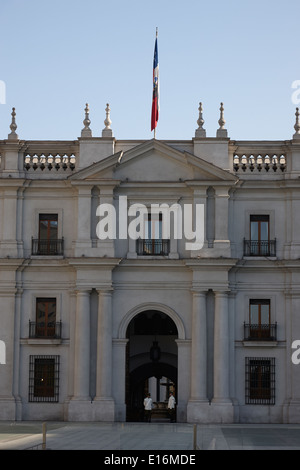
x=47, y=242
x=260, y=381
x=260, y=326
x=154, y=243
x=259, y=243
x=45, y=317
x=44, y=378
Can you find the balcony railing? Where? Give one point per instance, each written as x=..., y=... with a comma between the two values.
x=153, y=247
x=47, y=247
x=260, y=332
x=45, y=329
x=260, y=247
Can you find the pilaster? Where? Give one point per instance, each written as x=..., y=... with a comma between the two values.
x=222, y=242
x=83, y=238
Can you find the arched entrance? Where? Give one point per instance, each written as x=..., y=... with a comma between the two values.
x=151, y=362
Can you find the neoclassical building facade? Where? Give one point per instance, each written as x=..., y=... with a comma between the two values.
x=90, y=323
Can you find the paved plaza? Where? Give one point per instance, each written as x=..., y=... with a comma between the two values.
x=148, y=436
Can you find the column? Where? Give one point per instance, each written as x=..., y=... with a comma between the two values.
x=221, y=349
x=16, y=354
x=183, y=378
x=8, y=330
x=104, y=346
x=199, y=348
x=292, y=389
x=119, y=378
x=104, y=405
x=82, y=347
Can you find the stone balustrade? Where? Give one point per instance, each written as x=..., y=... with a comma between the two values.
x=258, y=162
x=48, y=162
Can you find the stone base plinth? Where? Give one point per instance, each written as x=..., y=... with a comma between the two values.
x=8, y=411
x=88, y=410
x=210, y=413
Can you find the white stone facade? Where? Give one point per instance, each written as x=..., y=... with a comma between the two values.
x=223, y=370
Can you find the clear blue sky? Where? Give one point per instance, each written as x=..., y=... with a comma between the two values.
x=57, y=55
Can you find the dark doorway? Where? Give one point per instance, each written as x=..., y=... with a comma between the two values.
x=151, y=363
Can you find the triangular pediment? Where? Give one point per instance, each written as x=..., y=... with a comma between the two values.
x=154, y=161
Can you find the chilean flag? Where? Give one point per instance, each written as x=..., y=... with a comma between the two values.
x=155, y=99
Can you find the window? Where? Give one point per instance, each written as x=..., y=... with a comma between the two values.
x=45, y=325
x=48, y=226
x=260, y=326
x=153, y=243
x=259, y=318
x=44, y=378
x=259, y=227
x=259, y=243
x=47, y=242
x=260, y=381
x=45, y=317
x=259, y=234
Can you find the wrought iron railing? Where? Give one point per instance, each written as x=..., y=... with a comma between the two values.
x=153, y=247
x=47, y=247
x=260, y=332
x=260, y=247
x=45, y=329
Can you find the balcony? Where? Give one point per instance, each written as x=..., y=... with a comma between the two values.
x=47, y=247
x=260, y=248
x=153, y=247
x=260, y=332
x=45, y=330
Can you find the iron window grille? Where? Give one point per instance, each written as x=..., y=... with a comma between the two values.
x=152, y=247
x=50, y=330
x=47, y=247
x=260, y=248
x=260, y=243
x=44, y=378
x=260, y=332
x=153, y=242
x=260, y=381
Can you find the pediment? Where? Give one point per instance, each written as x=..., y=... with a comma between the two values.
x=154, y=161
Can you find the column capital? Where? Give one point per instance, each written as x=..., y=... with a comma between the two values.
x=181, y=343
x=84, y=190
x=222, y=190
x=200, y=292
x=83, y=291
x=222, y=293
x=105, y=291
x=120, y=342
x=199, y=188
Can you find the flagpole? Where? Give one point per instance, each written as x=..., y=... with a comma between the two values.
x=155, y=99
x=156, y=38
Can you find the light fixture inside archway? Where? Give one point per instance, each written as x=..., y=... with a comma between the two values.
x=155, y=352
